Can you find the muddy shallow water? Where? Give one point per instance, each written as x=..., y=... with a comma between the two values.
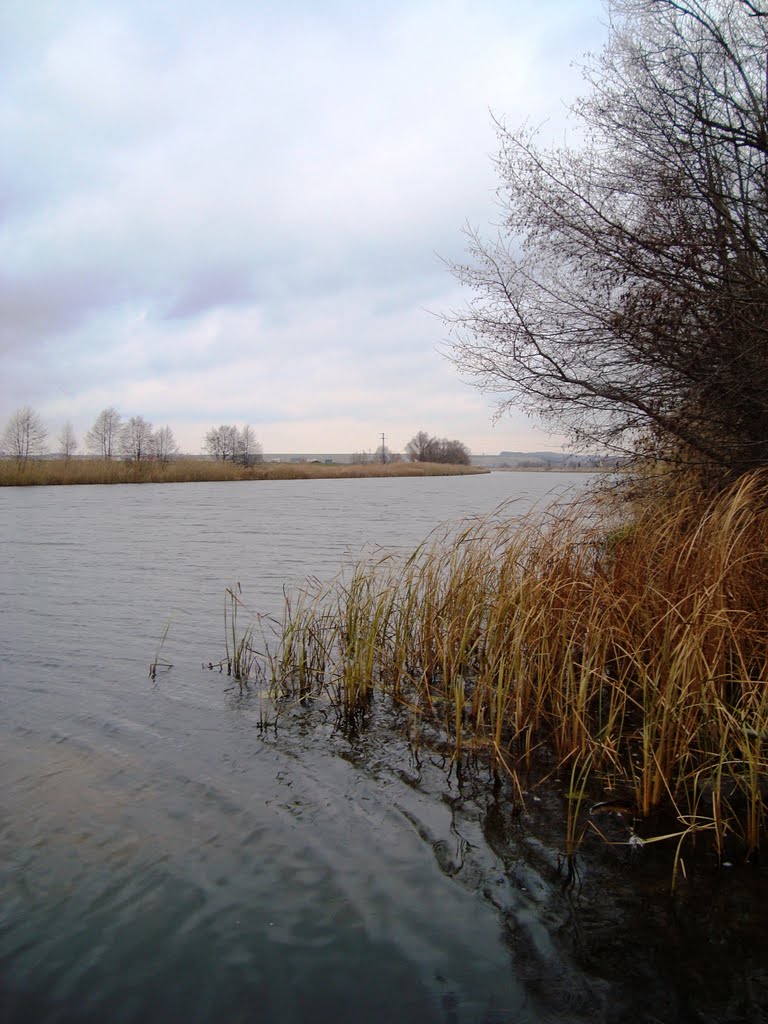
x=162, y=859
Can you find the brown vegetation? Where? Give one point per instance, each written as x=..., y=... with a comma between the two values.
x=110, y=471
x=629, y=660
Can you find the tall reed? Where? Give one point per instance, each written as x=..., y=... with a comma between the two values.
x=190, y=470
x=629, y=654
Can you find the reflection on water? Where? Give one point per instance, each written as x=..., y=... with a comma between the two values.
x=194, y=893
x=160, y=859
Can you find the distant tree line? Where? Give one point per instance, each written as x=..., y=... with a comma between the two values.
x=421, y=448
x=135, y=440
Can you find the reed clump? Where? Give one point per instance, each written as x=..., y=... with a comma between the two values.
x=50, y=472
x=627, y=654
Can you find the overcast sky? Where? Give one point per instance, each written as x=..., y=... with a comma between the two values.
x=230, y=211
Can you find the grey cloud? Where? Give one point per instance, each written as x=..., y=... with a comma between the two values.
x=210, y=288
x=192, y=186
x=32, y=310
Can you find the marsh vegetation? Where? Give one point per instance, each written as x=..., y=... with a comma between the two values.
x=111, y=471
x=624, y=655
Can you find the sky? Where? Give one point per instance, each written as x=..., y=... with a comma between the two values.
x=239, y=211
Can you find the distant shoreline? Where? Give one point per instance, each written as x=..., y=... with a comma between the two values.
x=548, y=469
x=57, y=472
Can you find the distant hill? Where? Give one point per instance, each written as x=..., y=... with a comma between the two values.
x=543, y=460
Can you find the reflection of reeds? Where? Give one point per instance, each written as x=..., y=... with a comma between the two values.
x=105, y=471
x=631, y=658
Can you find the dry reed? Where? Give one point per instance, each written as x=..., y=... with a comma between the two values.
x=630, y=658
x=48, y=472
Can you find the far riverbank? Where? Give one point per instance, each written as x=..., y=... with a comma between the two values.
x=48, y=472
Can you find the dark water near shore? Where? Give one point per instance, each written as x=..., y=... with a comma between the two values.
x=162, y=860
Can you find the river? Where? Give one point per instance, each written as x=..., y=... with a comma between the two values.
x=162, y=859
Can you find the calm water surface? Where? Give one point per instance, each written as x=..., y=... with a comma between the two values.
x=161, y=860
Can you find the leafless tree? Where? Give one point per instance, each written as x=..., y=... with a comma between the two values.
x=424, y=448
x=164, y=447
x=626, y=296
x=230, y=443
x=103, y=437
x=454, y=452
x=248, y=449
x=221, y=442
x=24, y=436
x=212, y=443
x=68, y=443
x=136, y=441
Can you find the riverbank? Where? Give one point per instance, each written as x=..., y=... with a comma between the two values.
x=53, y=472
x=625, y=656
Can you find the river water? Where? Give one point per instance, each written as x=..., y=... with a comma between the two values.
x=161, y=859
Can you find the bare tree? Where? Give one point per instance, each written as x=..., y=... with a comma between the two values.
x=24, y=436
x=164, y=446
x=249, y=450
x=424, y=448
x=454, y=452
x=229, y=443
x=212, y=443
x=626, y=298
x=68, y=443
x=221, y=442
x=103, y=437
x=136, y=441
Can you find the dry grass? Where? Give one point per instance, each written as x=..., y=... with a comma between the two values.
x=46, y=472
x=629, y=659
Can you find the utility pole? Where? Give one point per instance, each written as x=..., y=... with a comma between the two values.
x=383, y=449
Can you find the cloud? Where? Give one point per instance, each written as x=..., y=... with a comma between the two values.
x=235, y=206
